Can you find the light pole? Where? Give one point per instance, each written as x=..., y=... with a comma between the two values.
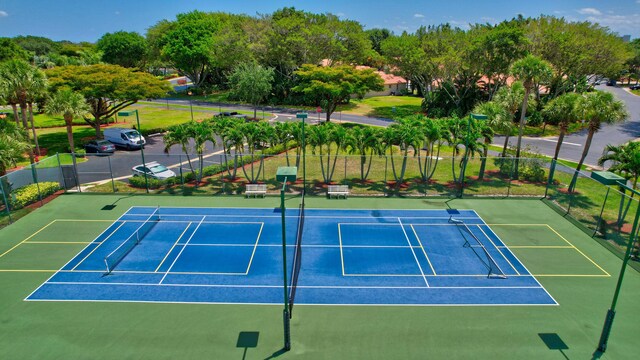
x=190, y=104
x=467, y=143
x=303, y=116
x=144, y=164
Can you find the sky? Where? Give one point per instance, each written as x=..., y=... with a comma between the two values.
x=88, y=20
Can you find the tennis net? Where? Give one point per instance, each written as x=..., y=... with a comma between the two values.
x=113, y=259
x=297, y=257
x=487, y=259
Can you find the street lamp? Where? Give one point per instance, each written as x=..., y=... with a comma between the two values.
x=190, y=104
x=467, y=144
x=144, y=164
x=303, y=116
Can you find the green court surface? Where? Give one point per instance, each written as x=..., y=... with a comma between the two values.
x=577, y=271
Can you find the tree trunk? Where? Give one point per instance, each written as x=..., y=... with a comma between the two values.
x=523, y=113
x=33, y=128
x=68, y=120
x=504, y=147
x=483, y=163
x=585, y=151
x=16, y=117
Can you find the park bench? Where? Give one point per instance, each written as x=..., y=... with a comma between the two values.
x=255, y=190
x=338, y=190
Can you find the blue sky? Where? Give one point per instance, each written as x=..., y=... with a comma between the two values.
x=88, y=20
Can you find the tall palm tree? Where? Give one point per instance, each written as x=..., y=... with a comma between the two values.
x=562, y=111
x=531, y=70
x=70, y=105
x=497, y=119
x=283, y=134
x=597, y=107
x=406, y=135
x=254, y=135
x=319, y=139
x=364, y=142
x=510, y=99
x=625, y=160
x=433, y=136
x=12, y=145
x=179, y=135
x=222, y=126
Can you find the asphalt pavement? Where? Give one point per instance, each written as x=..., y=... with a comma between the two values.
x=120, y=163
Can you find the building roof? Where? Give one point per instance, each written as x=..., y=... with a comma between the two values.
x=389, y=79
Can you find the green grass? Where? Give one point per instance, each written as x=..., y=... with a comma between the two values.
x=391, y=107
x=70, y=330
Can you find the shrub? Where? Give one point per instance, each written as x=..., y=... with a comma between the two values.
x=29, y=194
x=139, y=182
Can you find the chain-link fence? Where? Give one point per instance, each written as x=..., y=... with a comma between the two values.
x=605, y=213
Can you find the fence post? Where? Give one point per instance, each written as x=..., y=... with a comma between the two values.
x=384, y=185
x=34, y=174
x=75, y=171
x=61, y=179
x=552, y=169
x=600, y=220
x=4, y=198
x=344, y=180
x=510, y=178
x=113, y=183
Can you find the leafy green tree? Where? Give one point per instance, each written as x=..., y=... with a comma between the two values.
x=9, y=50
x=127, y=49
x=624, y=160
x=37, y=45
x=329, y=86
x=597, y=107
x=107, y=88
x=250, y=82
x=377, y=36
x=575, y=50
x=12, y=145
x=70, y=105
x=531, y=70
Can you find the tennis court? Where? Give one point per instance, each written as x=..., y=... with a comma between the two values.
x=355, y=257
x=378, y=278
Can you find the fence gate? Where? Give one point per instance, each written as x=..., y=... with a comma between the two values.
x=69, y=176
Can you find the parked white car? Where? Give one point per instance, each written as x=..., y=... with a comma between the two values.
x=153, y=170
x=127, y=138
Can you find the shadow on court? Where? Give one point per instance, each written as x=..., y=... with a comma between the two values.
x=554, y=342
x=246, y=340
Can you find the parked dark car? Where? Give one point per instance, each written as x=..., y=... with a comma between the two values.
x=99, y=147
x=635, y=87
x=228, y=113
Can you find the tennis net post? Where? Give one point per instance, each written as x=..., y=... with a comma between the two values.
x=113, y=259
x=297, y=256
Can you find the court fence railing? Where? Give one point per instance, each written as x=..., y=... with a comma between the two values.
x=604, y=212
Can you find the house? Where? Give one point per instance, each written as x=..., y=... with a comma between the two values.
x=393, y=85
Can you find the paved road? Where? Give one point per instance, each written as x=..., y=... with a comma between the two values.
x=97, y=168
x=609, y=133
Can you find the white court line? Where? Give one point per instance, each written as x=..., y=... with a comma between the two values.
x=67, y=263
x=515, y=257
x=255, y=247
x=173, y=246
x=497, y=248
x=414, y=253
x=99, y=244
x=423, y=250
x=181, y=250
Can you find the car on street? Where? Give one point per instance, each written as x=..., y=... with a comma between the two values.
x=635, y=87
x=153, y=170
x=126, y=138
x=99, y=147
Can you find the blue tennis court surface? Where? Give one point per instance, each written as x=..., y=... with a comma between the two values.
x=355, y=257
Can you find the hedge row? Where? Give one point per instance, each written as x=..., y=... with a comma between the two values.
x=29, y=194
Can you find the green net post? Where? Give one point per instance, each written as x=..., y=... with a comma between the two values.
x=285, y=312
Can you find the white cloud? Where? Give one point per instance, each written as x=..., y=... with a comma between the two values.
x=3, y=13
x=418, y=15
x=622, y=24
x=589, y=11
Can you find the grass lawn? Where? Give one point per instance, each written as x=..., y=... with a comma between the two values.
x=384, y=106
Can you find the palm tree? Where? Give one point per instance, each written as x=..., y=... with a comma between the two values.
x=597, y=107
x=179, y=135
x=432, y=137
x=626, y=162
x=319, y=139
x=24, y=84
x=406, y=135
x=562, y=111
x=12, y=145
x=365, y=142
x=497, y=119
x=70, y=105
x=254, y=135
x=531, y=70
x=510, y=99
x=223, y=127
x=283, y=134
